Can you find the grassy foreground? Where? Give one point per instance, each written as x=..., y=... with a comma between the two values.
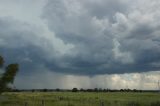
x=79, y=99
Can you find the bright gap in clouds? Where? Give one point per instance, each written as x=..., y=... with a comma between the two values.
x=52, y=80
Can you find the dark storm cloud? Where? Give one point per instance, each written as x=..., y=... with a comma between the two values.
x=105, y=8
x=85, y=37
x=20, y=44
x=108, y=36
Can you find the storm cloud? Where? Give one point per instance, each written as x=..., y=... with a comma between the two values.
x=107, y=36
x=81, y=37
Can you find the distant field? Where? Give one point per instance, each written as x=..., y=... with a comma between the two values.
x=80, y=99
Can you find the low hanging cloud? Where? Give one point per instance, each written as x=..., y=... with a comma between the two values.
x=81, y=37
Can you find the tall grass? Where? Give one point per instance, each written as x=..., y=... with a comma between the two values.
x=80, y=99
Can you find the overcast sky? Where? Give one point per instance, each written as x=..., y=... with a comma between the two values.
x=82, y=43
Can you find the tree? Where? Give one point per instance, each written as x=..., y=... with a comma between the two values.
x=8, y=76
x=74, y=90
x=1, y=61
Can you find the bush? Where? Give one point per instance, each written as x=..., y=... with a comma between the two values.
x=74, y=90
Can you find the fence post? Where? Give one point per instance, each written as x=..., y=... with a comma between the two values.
x=102, y=103
x=43, y=103
x=25, y=104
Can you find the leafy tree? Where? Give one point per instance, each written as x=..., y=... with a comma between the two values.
x=74, y=90
x=1, y=61
x=8, y=76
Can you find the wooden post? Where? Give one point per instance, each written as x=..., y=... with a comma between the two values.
x=43, y=103
x=25, y=104
x=102, y=103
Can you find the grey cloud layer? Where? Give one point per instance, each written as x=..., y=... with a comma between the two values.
x=84, y=37
x=108, y=36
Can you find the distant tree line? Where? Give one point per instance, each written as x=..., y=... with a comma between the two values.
x=104, y=90
x=80, y=90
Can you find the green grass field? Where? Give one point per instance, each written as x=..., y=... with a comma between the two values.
x=80, y=99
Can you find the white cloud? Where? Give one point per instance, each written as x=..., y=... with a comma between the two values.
x=124, y=57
